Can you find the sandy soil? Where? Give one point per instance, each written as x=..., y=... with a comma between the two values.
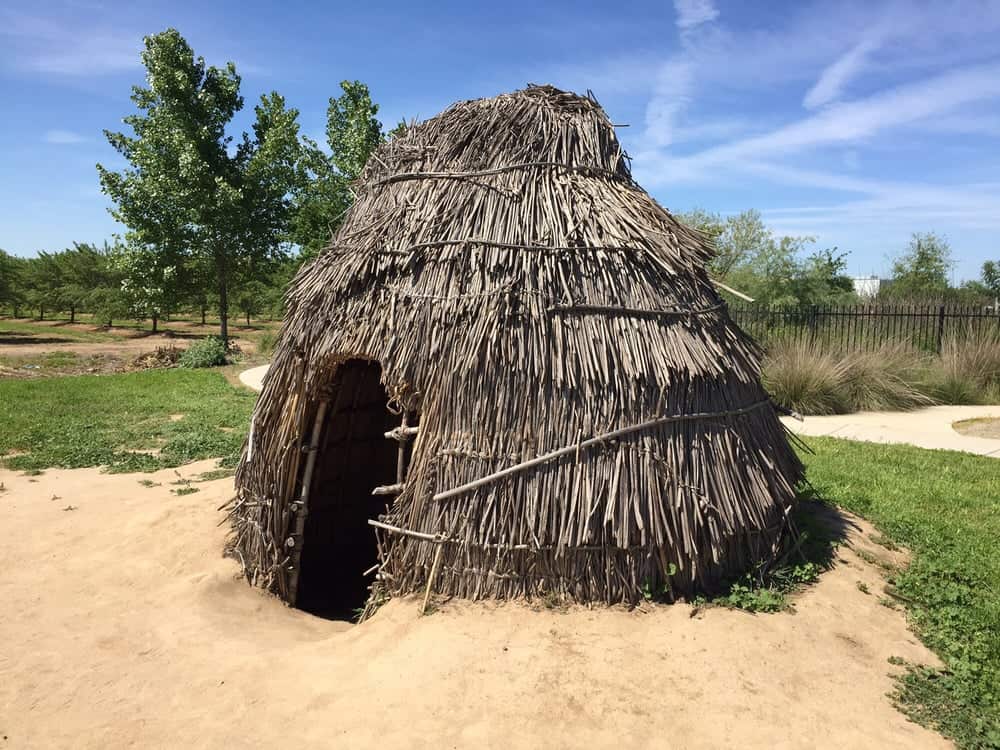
x=126, y=341
x=121, y=626
x=985, y=428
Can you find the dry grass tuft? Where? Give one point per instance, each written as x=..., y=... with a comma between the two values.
x=806, y=378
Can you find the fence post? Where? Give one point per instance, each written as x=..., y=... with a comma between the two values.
x=940, y=329
x=813, y=313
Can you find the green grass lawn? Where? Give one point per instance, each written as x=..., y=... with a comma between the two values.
x=945, y=507
x=69, y=422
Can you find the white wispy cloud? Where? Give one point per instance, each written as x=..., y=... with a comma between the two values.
x=691, y=13
x=674, y=80
x=834, y=78
x=671, y=95
x=41, y=45
x=63, y=137
x=855, y=121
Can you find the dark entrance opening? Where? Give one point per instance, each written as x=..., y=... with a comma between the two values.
x=354, y=457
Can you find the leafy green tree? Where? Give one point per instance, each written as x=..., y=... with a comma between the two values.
x=352, y=133
x=352, y=129
x=922, y=271
x=43, y=283
x=822, y=280
x=737, y=239
x=991, y=278
x=150, y=288
x=11, y=284
x=82, y=270
x=191, y=198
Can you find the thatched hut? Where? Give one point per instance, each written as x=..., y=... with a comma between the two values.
x=521, y=354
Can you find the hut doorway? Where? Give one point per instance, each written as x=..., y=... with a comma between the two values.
x=353, y=458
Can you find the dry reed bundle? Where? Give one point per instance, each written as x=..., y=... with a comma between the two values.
x=526, y=297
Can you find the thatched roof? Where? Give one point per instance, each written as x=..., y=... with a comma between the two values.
x=526, y=296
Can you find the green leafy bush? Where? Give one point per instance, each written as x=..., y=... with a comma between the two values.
x=209, y=352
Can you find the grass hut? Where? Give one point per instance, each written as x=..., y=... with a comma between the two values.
x=509, y=375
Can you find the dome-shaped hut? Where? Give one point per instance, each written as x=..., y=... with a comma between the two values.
x=509, y=375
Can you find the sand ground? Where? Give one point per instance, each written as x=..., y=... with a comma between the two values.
x=121, y=341
x=985, y=427
x=121, y=626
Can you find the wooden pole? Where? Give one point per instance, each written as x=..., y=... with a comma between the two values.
x=303, y=509
x=430, y=579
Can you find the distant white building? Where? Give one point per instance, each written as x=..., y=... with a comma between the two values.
x=866, y=287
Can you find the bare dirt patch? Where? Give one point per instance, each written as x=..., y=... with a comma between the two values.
x=132, y=630
x=986, y=427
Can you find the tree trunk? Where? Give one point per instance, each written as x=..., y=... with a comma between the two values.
x=154, y=323
x=41, y=312
x=223, y=307
x=203, y=313
x=248, y=320
x=72, y=314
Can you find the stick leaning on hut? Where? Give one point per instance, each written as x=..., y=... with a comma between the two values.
x=591, y=422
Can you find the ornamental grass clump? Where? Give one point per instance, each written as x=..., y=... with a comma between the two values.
x=803, y=376
x=884, y=380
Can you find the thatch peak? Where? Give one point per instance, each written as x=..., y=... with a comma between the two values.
x=523, y=127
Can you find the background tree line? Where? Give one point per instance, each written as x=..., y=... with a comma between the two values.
x=779, y=270
x=219, y=222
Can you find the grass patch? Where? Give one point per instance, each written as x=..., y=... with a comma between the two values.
x=71, y=422
x=945, y=507
x=211, y=476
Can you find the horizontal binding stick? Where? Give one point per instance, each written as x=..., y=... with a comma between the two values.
x=592, y=441
x=405, y=532
x=402, y=433
x=614, y=310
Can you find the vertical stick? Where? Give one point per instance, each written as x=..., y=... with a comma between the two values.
x=300, y=517
x=401, y=456
x=430, y=578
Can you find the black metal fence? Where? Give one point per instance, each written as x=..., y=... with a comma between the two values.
x=866, y=327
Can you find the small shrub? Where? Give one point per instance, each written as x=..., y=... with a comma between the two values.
x=805, y=378
x=209, y=352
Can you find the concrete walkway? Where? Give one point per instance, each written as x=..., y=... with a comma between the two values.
x=254, y=377
x=925, y=428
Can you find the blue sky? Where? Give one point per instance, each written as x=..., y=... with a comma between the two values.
x=856, y=123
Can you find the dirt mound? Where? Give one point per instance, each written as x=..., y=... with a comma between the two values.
x=123, y=626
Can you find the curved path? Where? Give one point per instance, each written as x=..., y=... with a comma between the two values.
x=254, y=377
x=924, y=428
